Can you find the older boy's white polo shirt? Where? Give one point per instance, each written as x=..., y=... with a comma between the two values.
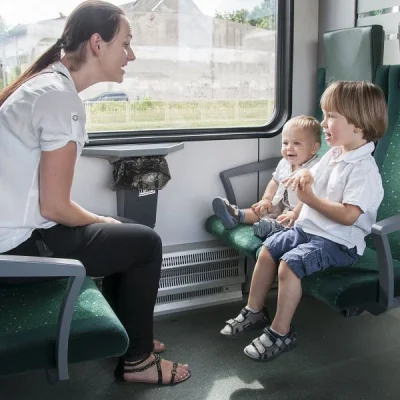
x=44, y=114
x=351, y=178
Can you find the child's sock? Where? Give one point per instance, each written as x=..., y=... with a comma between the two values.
x=273, y=330
x=241, y=216
x=252, y=310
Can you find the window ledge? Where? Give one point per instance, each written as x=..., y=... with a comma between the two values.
x=115, y=152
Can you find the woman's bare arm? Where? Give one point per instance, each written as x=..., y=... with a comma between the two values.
x=55, y=181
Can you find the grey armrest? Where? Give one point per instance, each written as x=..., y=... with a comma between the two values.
x=225, y=176
x=380, y=230
x=387, y=225
x=21, y=266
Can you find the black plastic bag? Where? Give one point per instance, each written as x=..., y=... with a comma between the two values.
x=141, y=173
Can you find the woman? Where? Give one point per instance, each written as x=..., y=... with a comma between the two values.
x=42, y=124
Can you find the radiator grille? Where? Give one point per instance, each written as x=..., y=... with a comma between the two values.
x=195, y=277
x=170, y=298
x=194, y=274
x=200, y=257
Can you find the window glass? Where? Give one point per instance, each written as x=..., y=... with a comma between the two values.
x=200, y=63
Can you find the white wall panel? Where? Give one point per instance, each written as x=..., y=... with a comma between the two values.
x=304, y=74
x=334, y=14
x=368, y=5
x=185, y=203
x=389, y=20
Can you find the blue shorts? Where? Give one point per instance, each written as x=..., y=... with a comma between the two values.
x=306, y=253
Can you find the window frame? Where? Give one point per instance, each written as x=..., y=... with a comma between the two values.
x=282, y=107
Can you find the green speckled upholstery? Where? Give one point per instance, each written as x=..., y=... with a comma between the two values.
x=240, y=238
x=28, y=326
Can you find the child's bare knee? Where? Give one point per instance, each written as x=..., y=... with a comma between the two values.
x=265, y=256
x=285, y=272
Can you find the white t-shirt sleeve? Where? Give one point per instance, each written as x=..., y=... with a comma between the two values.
x=321, y=164
x=57, y=119
x=279, y=172
x=363, y=189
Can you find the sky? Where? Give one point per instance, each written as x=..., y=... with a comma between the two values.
x=30, y=11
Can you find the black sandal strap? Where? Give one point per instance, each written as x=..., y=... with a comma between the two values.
x=134, y=363
x=244, y=311
x=173, y=372
x=159, y=370
x=273, y=336
x=128, y=367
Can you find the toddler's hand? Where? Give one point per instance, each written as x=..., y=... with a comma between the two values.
x=262, y=207
x=300, y=180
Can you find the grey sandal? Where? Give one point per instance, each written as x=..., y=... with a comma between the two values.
x=270, y=345
x=246, y=321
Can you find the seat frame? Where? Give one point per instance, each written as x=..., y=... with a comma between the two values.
x=44, y=267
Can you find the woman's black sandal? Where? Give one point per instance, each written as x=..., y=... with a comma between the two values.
x=130, y=367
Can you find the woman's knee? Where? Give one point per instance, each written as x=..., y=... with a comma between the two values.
x=152, y=242
x=156, y=241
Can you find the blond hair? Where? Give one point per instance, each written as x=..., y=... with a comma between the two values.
x=362, y=103
x=307, y=123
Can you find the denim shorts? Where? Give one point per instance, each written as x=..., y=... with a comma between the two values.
x=306, y=253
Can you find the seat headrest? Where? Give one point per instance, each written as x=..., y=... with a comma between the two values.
x=353, y=54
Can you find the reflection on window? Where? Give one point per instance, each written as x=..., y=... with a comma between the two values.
x=196, y=66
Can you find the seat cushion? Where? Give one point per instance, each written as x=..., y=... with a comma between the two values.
x=356, y=286
x=340, y=288
x=28, y=326
x=345, y=287
x=240, y=238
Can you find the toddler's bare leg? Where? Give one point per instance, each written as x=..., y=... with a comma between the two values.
x=250, y=217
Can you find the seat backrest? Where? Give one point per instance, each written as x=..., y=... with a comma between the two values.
x=390, y=74
x=387, y=157
x=351, y=54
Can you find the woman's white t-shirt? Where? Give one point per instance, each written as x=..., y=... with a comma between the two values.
x=44, y=114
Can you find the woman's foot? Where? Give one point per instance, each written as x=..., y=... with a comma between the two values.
x=158, y=347
x=147, y=371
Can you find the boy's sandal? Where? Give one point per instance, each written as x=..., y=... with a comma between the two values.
x=250, y=322
x=130, y=367
x=258, y=351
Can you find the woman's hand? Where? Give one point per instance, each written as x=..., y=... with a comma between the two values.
x=108, y=220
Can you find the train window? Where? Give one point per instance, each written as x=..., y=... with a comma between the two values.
x=203, y=67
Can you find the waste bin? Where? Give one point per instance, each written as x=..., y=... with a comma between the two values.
x=141, y=206
x=137, y=181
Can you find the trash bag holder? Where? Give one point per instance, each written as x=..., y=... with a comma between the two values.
x=141, y=206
